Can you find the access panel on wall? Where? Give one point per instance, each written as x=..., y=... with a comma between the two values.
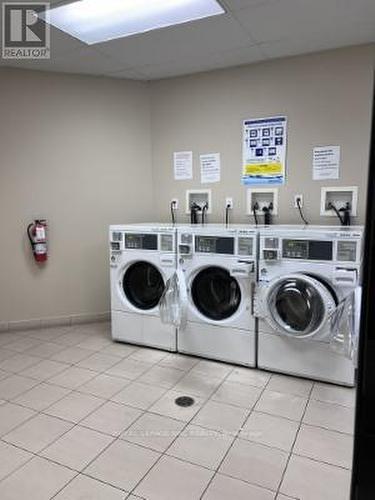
x=264, y=150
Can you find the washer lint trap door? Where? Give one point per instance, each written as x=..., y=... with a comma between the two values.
x=295, y=305
x=174, y=301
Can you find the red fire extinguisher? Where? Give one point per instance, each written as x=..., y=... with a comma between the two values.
x=37, y=233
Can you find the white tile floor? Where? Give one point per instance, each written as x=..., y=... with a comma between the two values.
x=83, y=417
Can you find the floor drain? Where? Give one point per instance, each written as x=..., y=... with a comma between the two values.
x=184, y=401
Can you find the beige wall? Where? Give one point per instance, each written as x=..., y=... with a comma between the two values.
x=75, y=150
x=327, y=98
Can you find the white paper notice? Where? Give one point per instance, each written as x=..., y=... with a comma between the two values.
x=326, y=162
x=183, y=165
x=210, y=168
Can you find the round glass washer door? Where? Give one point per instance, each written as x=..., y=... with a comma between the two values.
x=299, y=305
x=215, y=293
x=143, y=285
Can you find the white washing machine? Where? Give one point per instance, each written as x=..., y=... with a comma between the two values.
x=212, y=296
x=304, y=274
x=142, y=259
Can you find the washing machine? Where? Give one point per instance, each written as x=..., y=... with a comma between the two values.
x=142, y=259
x=305, y=274
x=210, y=299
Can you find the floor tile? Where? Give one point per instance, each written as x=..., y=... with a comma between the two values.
x=11, y=458
x=139, y=395
x=310, y=480
x=212, y=369
x=71, y=338
x=111, y=418
x=119, y=349
x=166, y=406
x=104, y=386
x=148, y=355
x=37, y=433
x=98, y=362
x=94, y=343
x=41, y=396
x=241, y=395
x=38, y=479
x=333, y=394
x=15, y=385
x=6, y=354
x=249, y=376
x=223, y=488
x=77, y=448
x=330, y=416
x=201, y=446
x=162, y=376
x=22, y=344
x=45, y=350
x=50, y=334
x=122, y=465
x=18, y=363
x=153, y=431
x=72, y=377
x=179, y=361
x=129, y=368
x=325, y=446
x=12, y=415
x=44, y=370
x=290, y=385
x=281, y=404
x=85, y=488
x=194, y=383
x=270, y=430
x=221, y=417
x=4, y=375
x=74, y=407
x=255, y=463
x=72, y=355
x=171, y=479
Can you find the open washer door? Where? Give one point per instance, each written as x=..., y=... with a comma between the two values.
x=295, y=305
x=174, y=301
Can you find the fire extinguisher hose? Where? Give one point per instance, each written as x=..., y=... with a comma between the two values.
x=29, y=235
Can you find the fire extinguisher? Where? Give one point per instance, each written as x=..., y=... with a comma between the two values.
x=37, y=233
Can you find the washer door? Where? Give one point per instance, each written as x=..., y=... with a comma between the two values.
x=143, y=285
x=298, y=305
x=215, y=293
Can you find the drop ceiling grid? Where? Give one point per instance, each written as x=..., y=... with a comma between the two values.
x=250, y=31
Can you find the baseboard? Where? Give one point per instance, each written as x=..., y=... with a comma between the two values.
x=75, y=319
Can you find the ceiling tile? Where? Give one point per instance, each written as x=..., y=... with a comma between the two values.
x=235, y=57
x=128, y=74
x=235, y=5
x=354, y=35
x=294, y=19
x=177, y=43
x=84, y=61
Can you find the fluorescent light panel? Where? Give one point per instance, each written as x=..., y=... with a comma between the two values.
x=95, y=21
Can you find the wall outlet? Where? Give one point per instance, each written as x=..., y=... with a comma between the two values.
x=174, y=203
x=229, y=203
x=298, y=197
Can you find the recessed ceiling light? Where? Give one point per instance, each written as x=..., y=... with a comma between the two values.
x=95, y=21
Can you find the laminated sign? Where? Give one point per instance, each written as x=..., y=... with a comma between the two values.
x=264, y=150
